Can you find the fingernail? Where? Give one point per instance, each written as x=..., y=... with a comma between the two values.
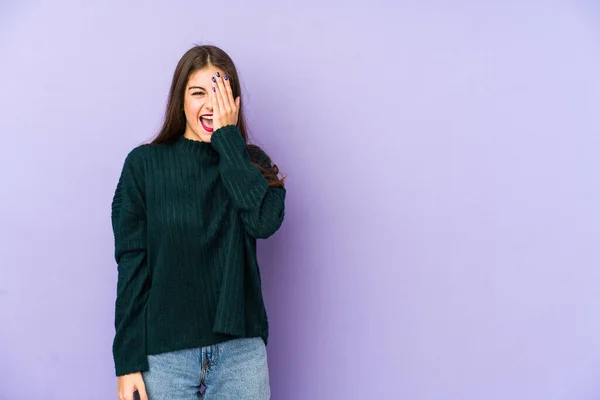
x=218, y=75
x=213, y=79
x=226, y=77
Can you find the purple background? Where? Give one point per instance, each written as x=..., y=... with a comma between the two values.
x=443, y=224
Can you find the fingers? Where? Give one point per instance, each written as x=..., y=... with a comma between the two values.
x=127, y=394
x=130, y=394
x=213, y=99
x=125, y=390
x=229, y=92
x=128, y=385
x=142, y=392
x=141, y=387
x=227, y=105
x=218, y=94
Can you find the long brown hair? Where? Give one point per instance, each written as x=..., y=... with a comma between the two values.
x=198, y=57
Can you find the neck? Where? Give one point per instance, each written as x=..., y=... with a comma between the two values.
x=189, y=134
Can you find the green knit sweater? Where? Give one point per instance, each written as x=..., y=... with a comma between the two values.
x=185, y=217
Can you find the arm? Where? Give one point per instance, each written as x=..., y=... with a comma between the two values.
x=129, y=228
x=261, y=207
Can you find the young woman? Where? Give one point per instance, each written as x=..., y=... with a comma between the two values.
x=187, y=210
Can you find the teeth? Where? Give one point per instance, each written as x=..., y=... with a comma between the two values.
x=207, y=118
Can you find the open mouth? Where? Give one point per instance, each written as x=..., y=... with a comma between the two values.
x=206, y=122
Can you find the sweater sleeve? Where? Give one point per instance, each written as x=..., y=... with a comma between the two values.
x=261, y=207
x=129, y=227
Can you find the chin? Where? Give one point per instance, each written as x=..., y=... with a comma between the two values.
x=205, y=136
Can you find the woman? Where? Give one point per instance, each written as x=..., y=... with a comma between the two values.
x=190, y=319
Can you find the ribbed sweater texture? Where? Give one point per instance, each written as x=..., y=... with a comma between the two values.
x=185, y=217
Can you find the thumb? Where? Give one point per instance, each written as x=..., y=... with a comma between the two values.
x=142, y=391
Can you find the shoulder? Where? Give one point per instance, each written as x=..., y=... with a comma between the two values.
x=136, y=160
x=136, y=157
x=140, y=155
x=137, y=153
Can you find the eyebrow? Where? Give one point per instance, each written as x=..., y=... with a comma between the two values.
x=196, y=87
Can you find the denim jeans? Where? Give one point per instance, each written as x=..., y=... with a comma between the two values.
x=235, y=369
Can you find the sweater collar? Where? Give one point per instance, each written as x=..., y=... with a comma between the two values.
x=196, y=147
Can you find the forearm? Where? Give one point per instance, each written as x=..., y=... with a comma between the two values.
x=260, y=206
x=129, y=345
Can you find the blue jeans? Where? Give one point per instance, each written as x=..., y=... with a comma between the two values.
x=235, y=369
